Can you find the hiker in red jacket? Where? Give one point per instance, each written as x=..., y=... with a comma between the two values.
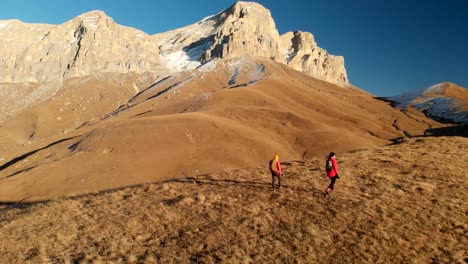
x=276, y=171
x=332, y=171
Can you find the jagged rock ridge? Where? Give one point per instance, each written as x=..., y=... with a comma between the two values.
x=93, y=42
x=90, y=43
x=36, y=59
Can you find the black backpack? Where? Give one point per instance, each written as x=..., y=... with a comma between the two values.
x=328, y=165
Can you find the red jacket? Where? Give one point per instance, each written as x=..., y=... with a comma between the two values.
x=278, y=167
x=334, y=171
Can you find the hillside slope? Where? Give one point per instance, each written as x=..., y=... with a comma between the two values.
x=398, y=203
x=233, y=114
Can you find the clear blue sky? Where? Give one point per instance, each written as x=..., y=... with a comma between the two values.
x=390, y=46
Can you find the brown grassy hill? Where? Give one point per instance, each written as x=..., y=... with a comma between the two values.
x=77, y=102
x=404, y=203
x=227, y=114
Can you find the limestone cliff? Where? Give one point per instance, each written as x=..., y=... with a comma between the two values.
x=15, y=38
x=35, y=59
x=247, y=29
x=243, y=29
x=302, y=53
x=93, y=43
x=90, y=43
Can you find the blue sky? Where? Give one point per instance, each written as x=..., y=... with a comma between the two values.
x=390, y=46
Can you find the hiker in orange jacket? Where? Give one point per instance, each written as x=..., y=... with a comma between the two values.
x=332, y=171
x=276, y=171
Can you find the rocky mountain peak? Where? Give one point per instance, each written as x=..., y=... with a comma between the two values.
x=90, y=43
x=245, y=28
x=94, y=13
x=94, y=20
x=302, y=53
x=246, y=9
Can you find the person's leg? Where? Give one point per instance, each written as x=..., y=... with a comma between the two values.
x=332, y=183
x=273, y=182
x=279, y=182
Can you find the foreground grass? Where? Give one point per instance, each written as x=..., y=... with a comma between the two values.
x=399, y=203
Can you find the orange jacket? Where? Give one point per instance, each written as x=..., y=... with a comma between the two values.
x=275, y=166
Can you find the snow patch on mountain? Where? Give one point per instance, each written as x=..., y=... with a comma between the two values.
x=443, y=108
x=245, y=73
x=4, y=24
x=406, y=99
x=209, y=66
x=186, y=59
x=179, y=60
x=433, y=102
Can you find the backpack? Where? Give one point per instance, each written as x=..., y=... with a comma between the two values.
x=328, y=165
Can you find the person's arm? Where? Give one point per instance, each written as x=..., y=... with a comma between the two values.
x=278, y=167
x=335, y=166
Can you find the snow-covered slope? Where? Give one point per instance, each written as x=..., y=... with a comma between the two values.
x=443, y=101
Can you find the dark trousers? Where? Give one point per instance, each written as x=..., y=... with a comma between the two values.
x=273, y=176
x=332, y=182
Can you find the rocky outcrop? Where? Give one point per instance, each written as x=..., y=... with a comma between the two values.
x=248, y=29
x=245, y=28
x=90, y=43
x=303, y=54
x=15, y=38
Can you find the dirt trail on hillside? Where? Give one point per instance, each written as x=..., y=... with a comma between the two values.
x=399, y=203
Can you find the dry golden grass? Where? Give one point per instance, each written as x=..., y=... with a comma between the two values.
x=188, y=124
x=403, y=203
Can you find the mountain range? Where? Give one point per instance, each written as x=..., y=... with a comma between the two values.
x=38, y=58
x=91, y=105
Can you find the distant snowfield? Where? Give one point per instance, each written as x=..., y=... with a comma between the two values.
x=433, y=102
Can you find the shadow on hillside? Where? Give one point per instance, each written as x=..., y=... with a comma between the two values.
x=456, y=130
x=385, y=99
x=220, y=182
x=22, y=207
x=24, y=156
x=19, y=205
x=261, y=184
